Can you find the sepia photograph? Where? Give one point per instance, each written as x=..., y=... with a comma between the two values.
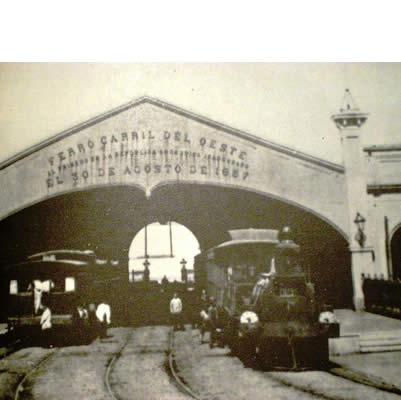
x=199, y=229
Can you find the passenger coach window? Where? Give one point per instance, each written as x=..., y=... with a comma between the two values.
x=13, y=287
x=69, y=284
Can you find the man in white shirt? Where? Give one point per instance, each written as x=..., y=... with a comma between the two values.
x=103, y=314
x=176, y=311
x=46, y=319
x=46, y=325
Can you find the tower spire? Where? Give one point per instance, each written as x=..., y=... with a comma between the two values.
x=349, y=115
x=348, y=103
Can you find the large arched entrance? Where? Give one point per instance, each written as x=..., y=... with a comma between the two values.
x=106, y=219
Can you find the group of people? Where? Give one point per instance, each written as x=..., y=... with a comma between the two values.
x=91, y=322
x=207, y=319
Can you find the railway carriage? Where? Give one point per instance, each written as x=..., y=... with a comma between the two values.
x=64, y=280
x=266, y=300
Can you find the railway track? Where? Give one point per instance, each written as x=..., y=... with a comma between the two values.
x=364, y=379
x=137, y=349
x=154, y=357
x=110, y=367
x=173, y=369
x=145, y=354
x=22, y=391
x=339, y=383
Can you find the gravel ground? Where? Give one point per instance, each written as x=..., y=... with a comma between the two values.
x=15, y=366
x=214, y=374
x=77, y=372
x=141, y=372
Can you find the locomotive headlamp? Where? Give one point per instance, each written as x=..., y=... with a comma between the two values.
x=249, y=317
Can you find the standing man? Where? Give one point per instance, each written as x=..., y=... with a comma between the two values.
x=92, y=322
x=176, y=311
x=103, y=314
x=46, y=325
x=203, y=301
x=202, y=313
x=214, y=322
x=36, y=289
x=204, y=324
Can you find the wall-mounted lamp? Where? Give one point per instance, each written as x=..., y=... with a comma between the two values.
x=360, y=236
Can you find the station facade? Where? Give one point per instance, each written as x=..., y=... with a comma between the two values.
x=161, y=153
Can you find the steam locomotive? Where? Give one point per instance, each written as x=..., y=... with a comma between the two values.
x=266, y=301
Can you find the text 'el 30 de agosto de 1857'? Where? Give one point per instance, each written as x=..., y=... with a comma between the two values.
x=143, y=153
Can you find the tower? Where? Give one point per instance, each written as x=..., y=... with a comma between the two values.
x=349, y=121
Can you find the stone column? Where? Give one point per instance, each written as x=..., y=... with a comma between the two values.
x=349, y=122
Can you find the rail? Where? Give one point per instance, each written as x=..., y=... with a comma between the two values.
x=110, y=367
x=21, y=385
x=173, y=369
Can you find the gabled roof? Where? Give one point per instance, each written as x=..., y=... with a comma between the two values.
x=184, y=113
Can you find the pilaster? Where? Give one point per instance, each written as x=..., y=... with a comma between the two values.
x=349, y=122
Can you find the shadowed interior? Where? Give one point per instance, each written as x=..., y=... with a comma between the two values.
x=106, y=220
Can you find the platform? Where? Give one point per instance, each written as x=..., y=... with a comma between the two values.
x=363, y=332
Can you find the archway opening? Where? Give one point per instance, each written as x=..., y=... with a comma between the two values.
x=106, y=220
x=166, y=249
